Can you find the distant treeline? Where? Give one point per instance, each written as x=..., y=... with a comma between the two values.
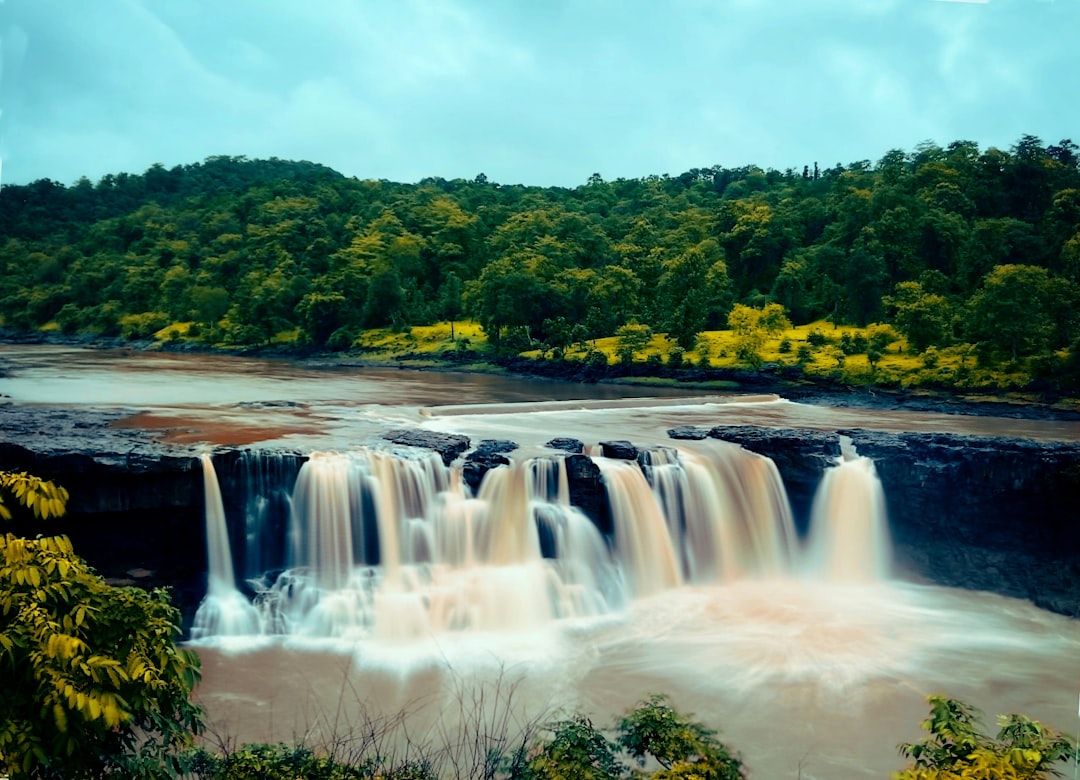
x=949, y=244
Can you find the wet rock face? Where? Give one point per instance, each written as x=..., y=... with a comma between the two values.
x=987, y=513
x=135, y=505
x=587, y=490
x=566, y=444
x=489, y=454
x=622, y=450
x=126, y=512
x=448, y=445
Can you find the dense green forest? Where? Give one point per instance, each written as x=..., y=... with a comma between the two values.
x=952, y=245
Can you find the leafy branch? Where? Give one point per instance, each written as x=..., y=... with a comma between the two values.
x=40, y=496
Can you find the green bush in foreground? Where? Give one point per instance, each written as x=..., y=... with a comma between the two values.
x=286, y=762
x=93, y=683
x=664, y=745
x=956, y=748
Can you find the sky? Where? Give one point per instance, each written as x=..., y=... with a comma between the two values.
x=542, y=92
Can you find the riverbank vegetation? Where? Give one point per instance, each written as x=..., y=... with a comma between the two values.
x=653, y=740
x=953, y=267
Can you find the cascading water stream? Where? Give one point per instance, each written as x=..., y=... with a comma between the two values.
x=224, y=611
x=642, y=539
x=266, y=480
x=390, y=545
x=218, y=549
x=728, y=509
x=574, y=548
x=849, y=537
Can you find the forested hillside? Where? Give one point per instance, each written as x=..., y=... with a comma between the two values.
x=953, y=244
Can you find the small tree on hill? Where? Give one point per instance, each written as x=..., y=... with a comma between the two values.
x=924, y=318
x=753, y=326
x=1012, y=311
x=632, y=338
x=773, y=319
x=451, y=300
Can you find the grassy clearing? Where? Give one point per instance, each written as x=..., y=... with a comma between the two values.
x=954, y=367
x=431, y=340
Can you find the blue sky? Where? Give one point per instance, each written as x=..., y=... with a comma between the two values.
x=535, y=91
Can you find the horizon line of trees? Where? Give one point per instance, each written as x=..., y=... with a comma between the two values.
x=945, y=243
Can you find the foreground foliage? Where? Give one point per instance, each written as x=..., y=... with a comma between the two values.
x=658, y=741
x=956, y=748
x=41, y=497
x=93, y=682
x=287, y=762
x=653, y=740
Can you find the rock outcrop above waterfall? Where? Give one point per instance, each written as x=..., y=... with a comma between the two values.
x=448, y=445
x=584, y=484
x=621, y=450
x=688, y=432
x=986, y=513
x=105, y=468
x=489, y=454
x=566, y=444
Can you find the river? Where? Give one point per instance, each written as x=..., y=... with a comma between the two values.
x=804, y=678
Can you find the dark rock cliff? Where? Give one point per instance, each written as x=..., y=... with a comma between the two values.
x=135, y=510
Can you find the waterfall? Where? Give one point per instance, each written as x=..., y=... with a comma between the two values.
x=218, y=550
x=589, y=582
x=392, y=545
x=849, y=538
x=266, y=480
x=728, y=509
x=643, y=541
x=224, y=611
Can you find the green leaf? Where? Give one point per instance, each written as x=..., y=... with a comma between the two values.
x=60, y=716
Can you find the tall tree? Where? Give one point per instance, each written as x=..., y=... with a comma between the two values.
x=451, y=304
x=925, y=319
x=1011, y=312
x=695, y=288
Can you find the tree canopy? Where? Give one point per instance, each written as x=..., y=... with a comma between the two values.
x=935, y=241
